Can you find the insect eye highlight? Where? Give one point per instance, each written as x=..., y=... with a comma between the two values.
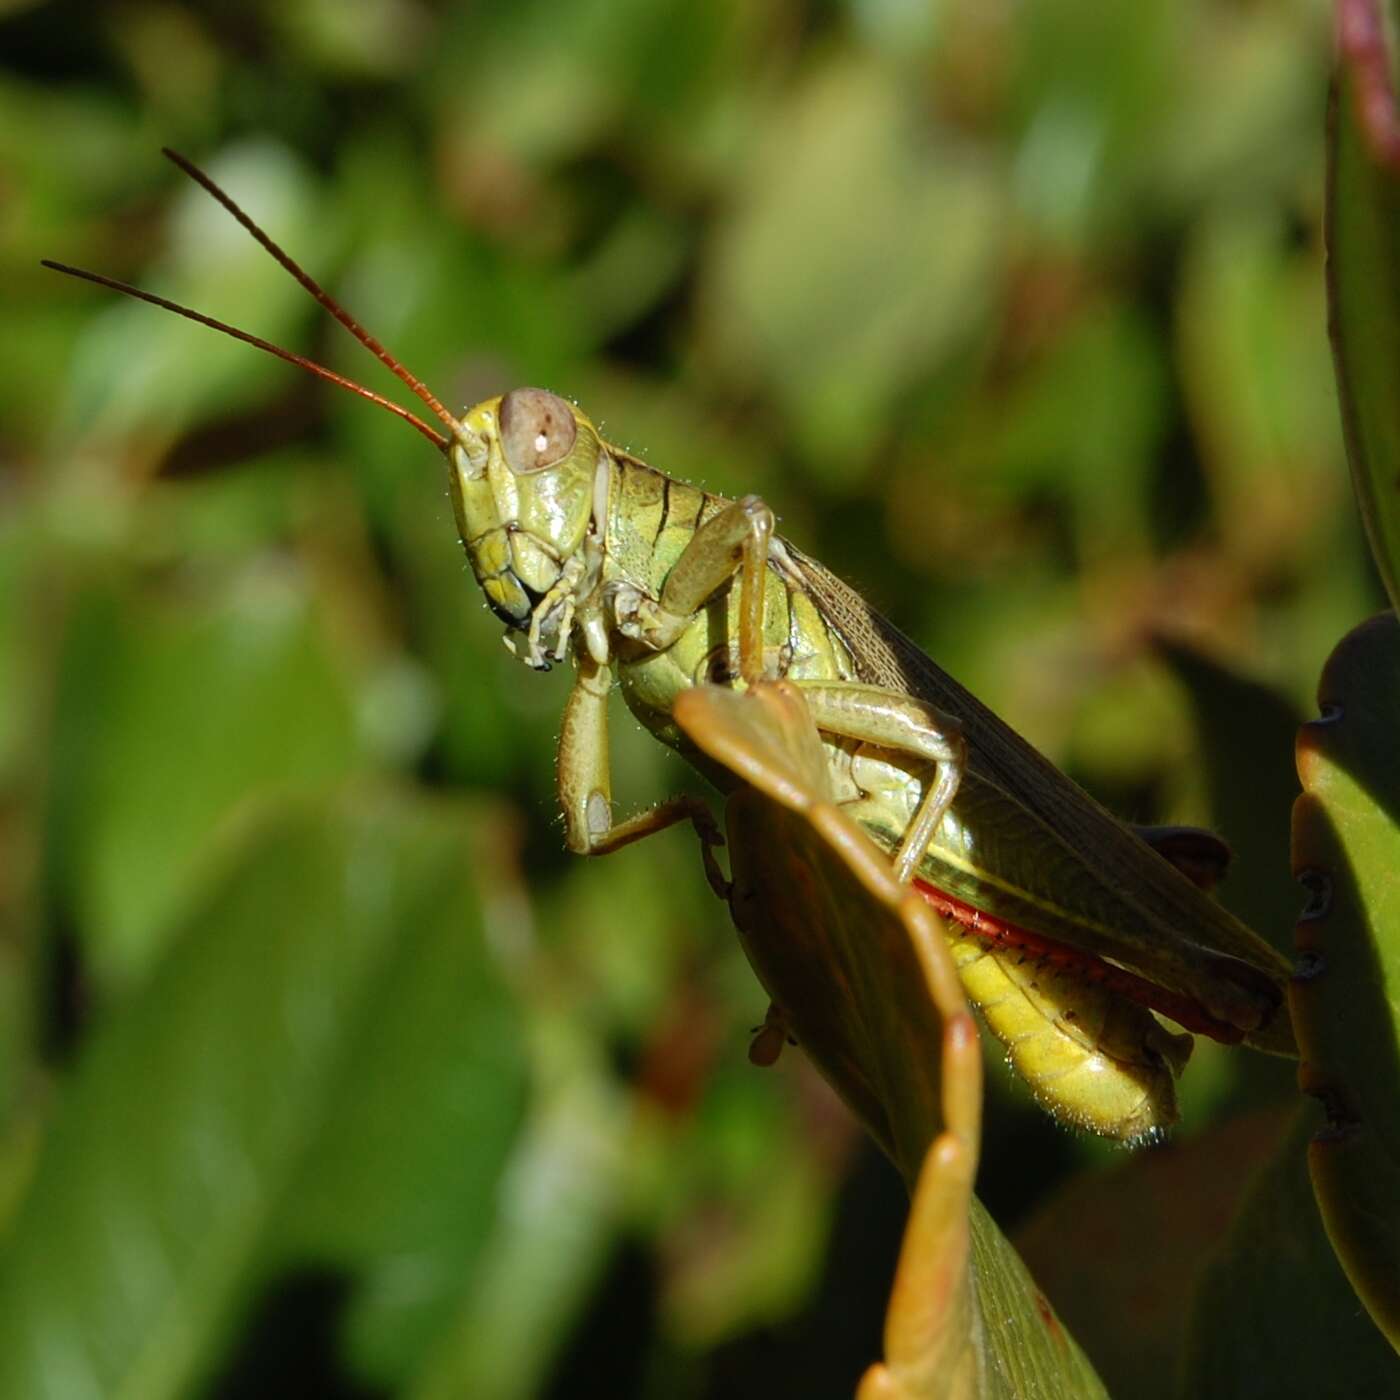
x=538, y=429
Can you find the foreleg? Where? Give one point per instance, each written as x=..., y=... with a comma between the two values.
x=585, y=782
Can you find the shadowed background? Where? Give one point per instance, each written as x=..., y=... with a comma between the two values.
x=323, y=1069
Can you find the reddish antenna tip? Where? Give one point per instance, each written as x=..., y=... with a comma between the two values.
x=312, y=286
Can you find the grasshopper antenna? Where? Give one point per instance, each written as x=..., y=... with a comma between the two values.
x=312, y=286
x=433, y=436
x=326, y=300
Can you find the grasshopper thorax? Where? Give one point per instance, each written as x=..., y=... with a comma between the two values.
x=523, y=468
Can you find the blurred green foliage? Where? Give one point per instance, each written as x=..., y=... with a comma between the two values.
x=322, y=1070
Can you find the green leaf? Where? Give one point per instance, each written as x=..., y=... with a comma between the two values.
x=1363, y=284
x=325, y=1069
x=564, y=1194
x=1029, y=1353
x=1095, y=447
x=169, y=714
x=1346, y=1001
x=823, y=285
x=1122, y=1250
x=1274, y=1315
x=1257, y=382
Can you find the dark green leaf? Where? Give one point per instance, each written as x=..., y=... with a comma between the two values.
x=1275, y=1315
x=171, y=713
x=324, y=1069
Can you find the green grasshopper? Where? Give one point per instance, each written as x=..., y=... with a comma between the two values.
x=658, y=588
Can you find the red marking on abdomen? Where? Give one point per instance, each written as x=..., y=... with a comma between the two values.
x=1187, y=1013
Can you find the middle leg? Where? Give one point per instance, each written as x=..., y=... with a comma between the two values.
x=873, y=715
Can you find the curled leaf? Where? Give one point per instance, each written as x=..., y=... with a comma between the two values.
x=861, y=970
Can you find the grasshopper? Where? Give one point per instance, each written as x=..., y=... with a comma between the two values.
x=660, y=590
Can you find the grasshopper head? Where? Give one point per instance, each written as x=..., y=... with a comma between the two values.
x=522, y=472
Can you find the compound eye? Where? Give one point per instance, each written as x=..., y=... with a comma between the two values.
x=537, y=429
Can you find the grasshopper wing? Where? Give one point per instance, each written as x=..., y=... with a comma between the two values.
x=1077, y=875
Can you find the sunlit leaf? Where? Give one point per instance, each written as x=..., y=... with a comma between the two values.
x=168, y=716
x=1346, y=1000
x=823, y=286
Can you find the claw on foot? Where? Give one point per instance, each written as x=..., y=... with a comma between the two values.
x=711, y=837
x=769, y=1038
